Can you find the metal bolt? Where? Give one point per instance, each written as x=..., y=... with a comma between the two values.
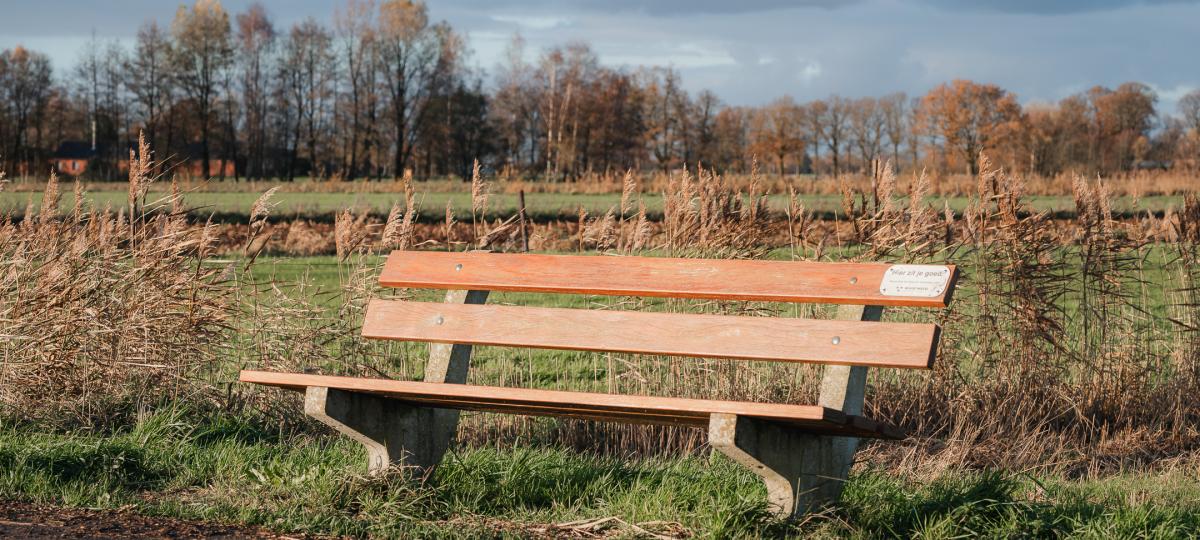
x=458, y=267
x=836, y=340
x=853, y=280
x=439, y=320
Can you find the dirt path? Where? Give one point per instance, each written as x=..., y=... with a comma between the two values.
x=24, y=520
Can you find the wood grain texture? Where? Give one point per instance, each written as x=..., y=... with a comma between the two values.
x=900, y=345
x=593, y=406
x=779, y=281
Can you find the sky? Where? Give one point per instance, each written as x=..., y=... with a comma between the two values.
x=752, y=51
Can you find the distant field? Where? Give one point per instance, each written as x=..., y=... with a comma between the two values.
x=539, y=205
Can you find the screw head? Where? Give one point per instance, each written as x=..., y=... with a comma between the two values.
x=458, y=267
x=439, y=320
x=836, y=340
x=853, y=280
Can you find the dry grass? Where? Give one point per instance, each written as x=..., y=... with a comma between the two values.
x=102, y=312
x=1134, y=184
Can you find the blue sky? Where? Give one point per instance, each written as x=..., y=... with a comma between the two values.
x=751, y=51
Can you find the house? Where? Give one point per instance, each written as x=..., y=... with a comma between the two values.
x=76, y=158
x=190, y=163
x=73, y=157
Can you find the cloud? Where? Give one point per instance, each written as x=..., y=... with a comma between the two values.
x=1048, y=7
x=533, y=22
x=667, y=8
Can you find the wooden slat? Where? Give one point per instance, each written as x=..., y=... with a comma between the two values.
x=900, y=345
x=779, y=281
x=593, y=406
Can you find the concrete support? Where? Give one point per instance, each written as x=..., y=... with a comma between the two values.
x=794, y=465
x=449, y=363
x=396, y=434
x=393, y=433
x=803, y=472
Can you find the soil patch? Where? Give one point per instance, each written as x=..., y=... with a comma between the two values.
x=25, y=520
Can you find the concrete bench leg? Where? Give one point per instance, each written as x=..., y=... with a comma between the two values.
x=394, y=434
x=803, y=472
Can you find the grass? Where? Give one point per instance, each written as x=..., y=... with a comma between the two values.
x=539, y=205
x=230, y=469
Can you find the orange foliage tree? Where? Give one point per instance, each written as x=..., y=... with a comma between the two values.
x=969, y=117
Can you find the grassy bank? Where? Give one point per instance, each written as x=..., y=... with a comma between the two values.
x=228, y=468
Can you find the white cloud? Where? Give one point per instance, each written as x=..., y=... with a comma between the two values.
x=533, y=22
x=810, y=71
x=683, y=55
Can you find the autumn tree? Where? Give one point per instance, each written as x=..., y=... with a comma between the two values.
x=776, y=132
x=202, y=52
x=969, y=117
x=1119, y=119
x=732, y=145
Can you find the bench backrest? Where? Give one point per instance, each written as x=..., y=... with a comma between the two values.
x=840, y=342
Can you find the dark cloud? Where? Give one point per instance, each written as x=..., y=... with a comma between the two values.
x=666, y=8
x=1048, y=7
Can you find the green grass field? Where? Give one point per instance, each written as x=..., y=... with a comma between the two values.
x=539, y=205
x=227, y=469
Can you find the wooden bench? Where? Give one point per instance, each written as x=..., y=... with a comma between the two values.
x=802, y=452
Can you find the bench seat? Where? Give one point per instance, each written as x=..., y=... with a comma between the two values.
x=585, y=405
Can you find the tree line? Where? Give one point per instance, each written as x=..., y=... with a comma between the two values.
x=384, y=90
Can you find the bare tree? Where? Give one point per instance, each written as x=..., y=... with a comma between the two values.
x=814, y=119
x=149, y=76
x=201, y=54
x=895, y=111
x=305, y=86
x=355, y=33
x=410, y=51
x=1189, y=108
x=867, y=127
x=834, y=127
x=514, y=108
x=256, y=43
x=25, y=89
x=665, y=132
